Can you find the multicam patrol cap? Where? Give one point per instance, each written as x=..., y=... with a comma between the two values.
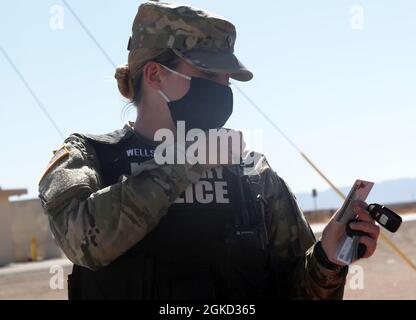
x=203, y=39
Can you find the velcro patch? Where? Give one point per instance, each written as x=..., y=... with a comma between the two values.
x=58, y=155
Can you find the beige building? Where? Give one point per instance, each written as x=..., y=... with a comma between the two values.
x=24, y=230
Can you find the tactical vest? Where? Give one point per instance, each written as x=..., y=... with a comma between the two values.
x=193, y=253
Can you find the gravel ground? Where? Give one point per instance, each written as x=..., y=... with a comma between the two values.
x=384, y=276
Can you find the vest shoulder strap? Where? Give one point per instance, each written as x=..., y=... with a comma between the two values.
x=111, y=138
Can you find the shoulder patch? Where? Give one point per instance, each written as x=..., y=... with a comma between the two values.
x=58, y=155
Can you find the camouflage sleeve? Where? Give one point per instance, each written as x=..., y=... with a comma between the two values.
x=95, y=225
x=292, y=242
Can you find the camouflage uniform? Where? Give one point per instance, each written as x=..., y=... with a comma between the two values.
x=95, y=224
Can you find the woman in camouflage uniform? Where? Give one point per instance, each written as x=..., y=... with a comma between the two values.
x=137, y=229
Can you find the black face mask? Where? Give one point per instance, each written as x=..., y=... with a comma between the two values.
x=207, y=104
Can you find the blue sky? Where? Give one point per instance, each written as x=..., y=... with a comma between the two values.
x=346, y=97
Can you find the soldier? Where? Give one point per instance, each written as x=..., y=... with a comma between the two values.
x=137, y=229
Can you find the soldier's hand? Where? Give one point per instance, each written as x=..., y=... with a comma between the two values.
x=334, y=231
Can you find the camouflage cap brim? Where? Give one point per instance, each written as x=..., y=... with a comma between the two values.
x=224, y=62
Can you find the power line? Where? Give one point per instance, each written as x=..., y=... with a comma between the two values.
x=259, y=110
x=87, y=31
x=390, y=243
x=28, y=87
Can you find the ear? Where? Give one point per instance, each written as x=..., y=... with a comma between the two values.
x=153, y=74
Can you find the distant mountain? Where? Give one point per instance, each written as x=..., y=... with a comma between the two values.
x=386, y=192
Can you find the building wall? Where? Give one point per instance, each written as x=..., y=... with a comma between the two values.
x=6, y=253
x=28, y=222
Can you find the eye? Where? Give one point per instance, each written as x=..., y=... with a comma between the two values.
x=216, y=78
x=210, y=75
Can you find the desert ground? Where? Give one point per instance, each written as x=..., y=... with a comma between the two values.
x=384, y=276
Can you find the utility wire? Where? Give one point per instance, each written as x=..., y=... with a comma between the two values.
x=393, y=247
x=28, y=87
x=255, y=106
x=91, y=36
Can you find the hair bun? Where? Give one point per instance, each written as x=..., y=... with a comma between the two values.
x=124, y=81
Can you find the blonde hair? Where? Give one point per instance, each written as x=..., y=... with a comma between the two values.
x=125, y=81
